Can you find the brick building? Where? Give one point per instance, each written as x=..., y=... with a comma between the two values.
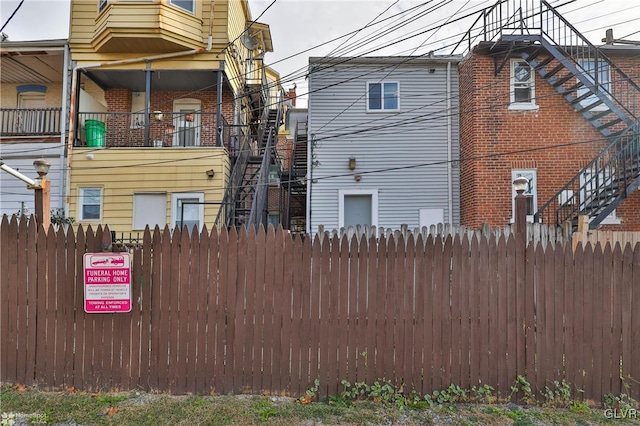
x=564, y=116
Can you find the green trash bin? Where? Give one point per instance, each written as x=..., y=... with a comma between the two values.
x=94, y=130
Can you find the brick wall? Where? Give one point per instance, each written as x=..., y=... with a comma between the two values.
x=121, y=133
x=555, y=140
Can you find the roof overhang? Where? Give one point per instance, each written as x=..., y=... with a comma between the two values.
x=262, y=35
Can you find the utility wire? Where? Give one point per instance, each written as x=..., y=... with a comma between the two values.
x=12, y=15
x=248, y=27
x=403, y=167
x=350, y=59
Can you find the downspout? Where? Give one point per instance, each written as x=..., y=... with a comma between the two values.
x=147, y=105
x=210, y=42
x=449, y=146
x=219, y=106
x=310, y=145
x=64, y=154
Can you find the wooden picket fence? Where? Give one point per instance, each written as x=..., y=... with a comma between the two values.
x=262, y=312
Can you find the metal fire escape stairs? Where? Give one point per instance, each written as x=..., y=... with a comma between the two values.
x=245, y=198
x=296, y=208
x=594, y=86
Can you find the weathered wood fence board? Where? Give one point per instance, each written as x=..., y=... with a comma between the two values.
x=261, y=312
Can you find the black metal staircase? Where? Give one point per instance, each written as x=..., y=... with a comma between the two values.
x=297, y=182
x=245, y=199
x=596, y=88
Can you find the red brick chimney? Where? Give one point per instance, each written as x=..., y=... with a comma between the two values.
x=291, y=95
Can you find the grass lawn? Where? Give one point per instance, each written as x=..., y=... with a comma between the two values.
x=24, y=406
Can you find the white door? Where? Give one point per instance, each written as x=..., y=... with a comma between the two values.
x=187, y=209
x=187, y=122
x=27, y=120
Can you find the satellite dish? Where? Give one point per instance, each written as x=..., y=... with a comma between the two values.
x=248, y=41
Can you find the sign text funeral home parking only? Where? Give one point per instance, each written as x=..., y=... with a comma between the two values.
x=107, y=283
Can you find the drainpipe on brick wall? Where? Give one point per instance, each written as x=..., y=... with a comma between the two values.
x=449, y=149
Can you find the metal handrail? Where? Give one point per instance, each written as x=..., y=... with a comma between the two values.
x=258, y=203
x=228, y=207
x=607, y=174
x=538, y=17
x=469, y=39
x=557, y=30
x=293, y=176
x=606, y=177
x=166, y=129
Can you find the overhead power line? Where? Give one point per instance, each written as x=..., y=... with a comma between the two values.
x=12, y=15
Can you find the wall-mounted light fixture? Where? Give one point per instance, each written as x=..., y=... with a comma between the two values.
x=157, y=115
x=352, y=163
x=210, y=173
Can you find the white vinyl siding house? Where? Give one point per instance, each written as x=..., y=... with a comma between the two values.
x=404, y=143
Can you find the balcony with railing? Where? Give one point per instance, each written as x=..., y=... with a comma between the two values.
x=163, y=129
x=35, y=122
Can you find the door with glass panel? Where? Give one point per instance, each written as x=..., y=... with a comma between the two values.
x=187, y=122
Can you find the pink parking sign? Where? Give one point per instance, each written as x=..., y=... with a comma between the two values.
x=107, y=283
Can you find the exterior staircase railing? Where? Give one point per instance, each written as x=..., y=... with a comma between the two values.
x=238, y=181
x=257, y=214
x=534, y=20
x=268, y=137
x=227, y=209
x=599, y=90
x=297, y=182
x=600, y=186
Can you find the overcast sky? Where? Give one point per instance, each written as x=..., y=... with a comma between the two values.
x=299, y=25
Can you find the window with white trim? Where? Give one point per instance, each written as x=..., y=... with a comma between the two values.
x=531, y=192
x=149, y=209
x=102, y=4
x=188, y=5
x=383, y=96
x=523, y=94
x=90, y=203
x=187, y=209
x=357, y=207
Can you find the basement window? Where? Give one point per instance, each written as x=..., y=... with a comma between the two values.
x=523, y=94
x=90, y=204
